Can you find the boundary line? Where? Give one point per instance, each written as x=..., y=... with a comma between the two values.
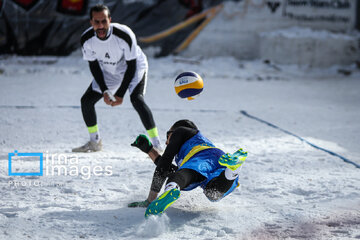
x=300, y=138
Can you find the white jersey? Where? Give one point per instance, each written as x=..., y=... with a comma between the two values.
x=112, y=54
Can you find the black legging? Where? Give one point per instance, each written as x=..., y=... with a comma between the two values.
x=91, y=97
x=214, y=190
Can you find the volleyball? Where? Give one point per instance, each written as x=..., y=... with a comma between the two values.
x=188, y=85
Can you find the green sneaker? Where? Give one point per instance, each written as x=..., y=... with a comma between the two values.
x=233, y=161
x=163, y=202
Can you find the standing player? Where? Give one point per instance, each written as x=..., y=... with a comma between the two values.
x=199, y=163
x=117, y=64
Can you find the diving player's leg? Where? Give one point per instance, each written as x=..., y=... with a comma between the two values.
x=88, y=101
x=176, y=182
x=225, y=183
x=233, y=161
x=138, y=102
x=219, y=187
x=183, y=178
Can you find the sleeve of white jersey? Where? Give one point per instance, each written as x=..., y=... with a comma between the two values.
x=88, y=54
x=130, y=52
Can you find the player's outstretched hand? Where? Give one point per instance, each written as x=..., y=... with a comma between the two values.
x=143, y=204
x=143, y=143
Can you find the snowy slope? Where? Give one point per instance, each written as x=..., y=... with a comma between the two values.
x=251, y=30
x=288, y=189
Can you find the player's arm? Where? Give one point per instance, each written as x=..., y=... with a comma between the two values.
x=164, y=163
x=159, y=177
x=143, y=143
x=90, y=56
x=128, y=76
x=98, y=75
x=129, y=48
x=99, y=78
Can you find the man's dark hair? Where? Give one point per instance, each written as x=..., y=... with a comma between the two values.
x=184, y=123
x=99, y=8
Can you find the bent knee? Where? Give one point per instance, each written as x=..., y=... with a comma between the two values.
x=213, y=195
x=137, y=101
x=84, y=100
x=136, y=98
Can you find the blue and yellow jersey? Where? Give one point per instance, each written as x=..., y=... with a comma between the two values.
x=200, y=154
x=192, y=146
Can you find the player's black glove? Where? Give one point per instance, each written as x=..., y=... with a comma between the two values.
x=143, y=143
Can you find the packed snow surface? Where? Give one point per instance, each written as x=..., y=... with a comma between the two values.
x=288, y=188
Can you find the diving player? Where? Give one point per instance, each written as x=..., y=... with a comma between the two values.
x=117, y=64
x=199, y=163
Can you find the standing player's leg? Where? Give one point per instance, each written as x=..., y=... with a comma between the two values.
x=88, y=101
x=138, y=102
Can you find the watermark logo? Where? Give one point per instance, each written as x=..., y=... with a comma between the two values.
x=17, y=158
x=45, y=164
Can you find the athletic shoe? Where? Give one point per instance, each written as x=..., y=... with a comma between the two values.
x=163, y=202
x=90, y=146
x=233, y=161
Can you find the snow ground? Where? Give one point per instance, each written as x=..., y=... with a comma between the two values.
x=289, y=190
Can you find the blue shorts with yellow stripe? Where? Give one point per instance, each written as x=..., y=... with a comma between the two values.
x=206, y=163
